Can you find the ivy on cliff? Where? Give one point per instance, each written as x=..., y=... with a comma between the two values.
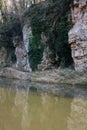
x=53, y=20
x=35, y=51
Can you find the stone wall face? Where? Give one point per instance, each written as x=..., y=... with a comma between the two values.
x=3, y=56
x=48, y=58
x=78, y=34
x=27, y=34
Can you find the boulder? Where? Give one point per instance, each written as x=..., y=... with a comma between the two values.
x=78, y=34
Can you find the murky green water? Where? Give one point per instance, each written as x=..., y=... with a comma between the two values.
x=24, y=110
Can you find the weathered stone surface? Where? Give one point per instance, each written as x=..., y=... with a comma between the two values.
x=21, y=55
x=48, y=59
x=78, y=34
x=3, y=55
x=27, y=36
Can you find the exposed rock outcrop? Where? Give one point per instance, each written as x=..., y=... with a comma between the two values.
x=21, y=55
x=78, y=34
x=3, y=55
x=51, y=19
x=48, y=56
x=27, y=36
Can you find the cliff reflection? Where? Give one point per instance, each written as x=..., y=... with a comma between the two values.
x=21, y=106
x=21, y=109
x=78, y=115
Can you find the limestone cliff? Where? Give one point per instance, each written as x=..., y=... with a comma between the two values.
x=50, y=26
x=27, y=34
x=3, y=55
x=78, y=34
x=50, y=19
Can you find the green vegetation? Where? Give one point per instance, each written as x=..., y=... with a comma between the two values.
x=53, y=20
x=35, y=51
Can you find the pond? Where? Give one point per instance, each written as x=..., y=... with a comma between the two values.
x=25, y=108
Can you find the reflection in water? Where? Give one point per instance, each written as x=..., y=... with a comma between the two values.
x=23, y=110
x=78, y=116
x=21, y=104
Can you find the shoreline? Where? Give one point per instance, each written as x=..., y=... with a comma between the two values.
x=61, y=83
x=55, y=76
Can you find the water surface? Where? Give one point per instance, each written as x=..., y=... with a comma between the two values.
x=21, y=109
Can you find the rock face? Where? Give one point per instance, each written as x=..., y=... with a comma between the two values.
x=27, y=36
x=3, y=55
x=78, y=34
x=49, y=59
x=45, y=63
x=21, y=55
